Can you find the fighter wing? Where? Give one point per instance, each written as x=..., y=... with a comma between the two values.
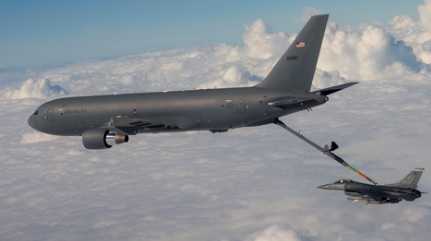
x=381, y=197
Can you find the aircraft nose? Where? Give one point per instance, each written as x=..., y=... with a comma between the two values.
x=325, y=187
x=35, y=120
x=331, y=187
x=32, y=120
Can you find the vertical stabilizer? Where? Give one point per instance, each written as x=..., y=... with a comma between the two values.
x=294, y=71
x=412, y=179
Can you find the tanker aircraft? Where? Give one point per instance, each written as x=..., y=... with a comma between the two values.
x=103, y=121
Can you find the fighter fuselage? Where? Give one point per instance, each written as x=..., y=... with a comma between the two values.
x=380, y=194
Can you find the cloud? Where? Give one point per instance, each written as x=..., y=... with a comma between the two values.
x=232, y=77
x=399, y=51
x=261, y=44
x=416, y=32
x=370, y=53
x=36, y=137
x=415, y=215
x=247, y=184
x=424, y=11
x=41, y=88
x=276, y=233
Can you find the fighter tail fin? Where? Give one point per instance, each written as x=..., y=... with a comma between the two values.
x=294, y=71
x=412, y=179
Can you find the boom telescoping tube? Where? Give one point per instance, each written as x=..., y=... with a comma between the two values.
x=324, y=151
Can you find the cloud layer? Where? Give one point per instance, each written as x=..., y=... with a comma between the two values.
x=30, y=88
x=275, y=233
x=251, y=184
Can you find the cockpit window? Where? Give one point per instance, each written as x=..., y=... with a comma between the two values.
x=36, y=112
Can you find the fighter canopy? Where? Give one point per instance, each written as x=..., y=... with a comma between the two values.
x=338, y=185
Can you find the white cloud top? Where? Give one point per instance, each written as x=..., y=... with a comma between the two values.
x=31, y=88
x=252, y=184
x=399, y=51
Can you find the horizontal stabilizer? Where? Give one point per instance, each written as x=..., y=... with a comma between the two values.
x=333, y=89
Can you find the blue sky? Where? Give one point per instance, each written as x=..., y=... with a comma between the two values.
x=46, y=33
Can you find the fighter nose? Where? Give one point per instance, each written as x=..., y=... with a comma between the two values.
x=325, y=187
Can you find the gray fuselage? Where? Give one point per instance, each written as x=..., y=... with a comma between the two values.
x=379, y=194
x=103, y=120
x=213, y=109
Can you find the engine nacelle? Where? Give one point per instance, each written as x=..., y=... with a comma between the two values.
x=103, y=138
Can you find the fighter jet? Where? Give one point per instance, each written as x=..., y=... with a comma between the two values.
x=103, y=121
x=406, y=189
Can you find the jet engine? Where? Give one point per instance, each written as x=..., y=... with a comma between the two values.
x=103, y=138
